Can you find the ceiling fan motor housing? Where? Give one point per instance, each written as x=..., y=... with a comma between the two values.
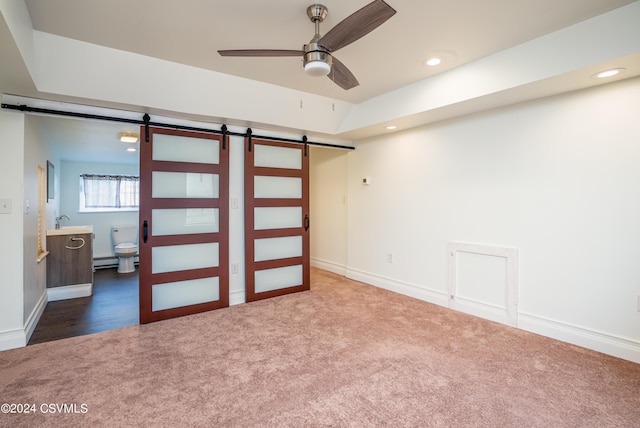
x=317, y=60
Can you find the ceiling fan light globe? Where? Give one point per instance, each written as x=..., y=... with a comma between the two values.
x=317, y=68
x=317, y=60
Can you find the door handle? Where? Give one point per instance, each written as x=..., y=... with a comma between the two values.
x=74, y=239
x=145, y=231
x=307, y=223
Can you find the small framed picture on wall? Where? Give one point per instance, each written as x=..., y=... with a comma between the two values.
x=50, y=181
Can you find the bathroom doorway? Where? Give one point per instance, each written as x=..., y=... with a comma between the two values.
x=79, y=146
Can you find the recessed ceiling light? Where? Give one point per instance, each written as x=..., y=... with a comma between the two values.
x=132, y=149
x=128, y=137
x=608, y=73
x=391, y=127
x=432, y=61
x=439, y=58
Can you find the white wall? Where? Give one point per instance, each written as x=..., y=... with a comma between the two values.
x=328, y=208
x=12, y=130
x=237, y=292
x=73, y=68
x=101, y=222
x=558, y=179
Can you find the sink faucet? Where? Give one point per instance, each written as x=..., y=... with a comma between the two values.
x=63, y=216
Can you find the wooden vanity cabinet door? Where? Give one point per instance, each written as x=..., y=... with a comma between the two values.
x=69, y=266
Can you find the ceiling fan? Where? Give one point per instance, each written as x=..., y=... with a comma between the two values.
x=317, y=55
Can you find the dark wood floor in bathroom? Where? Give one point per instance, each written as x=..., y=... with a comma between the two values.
x=114, y=304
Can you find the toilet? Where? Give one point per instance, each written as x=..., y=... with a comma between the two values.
x=125, y=246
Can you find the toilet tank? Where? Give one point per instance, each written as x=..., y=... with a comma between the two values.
x=125, y=234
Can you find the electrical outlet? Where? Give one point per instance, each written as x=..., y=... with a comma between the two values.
x=5, y=206
x=389, y=257
x=638, y=302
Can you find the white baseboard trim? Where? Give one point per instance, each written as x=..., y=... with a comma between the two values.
x=329, y=266
x=482, y=310
x=109, y=262
x=19, y=338
x=34, y=317
x=69, y=292
x=236, y=297
x=432, y=296
x=12, y=339
x=601, y=342
x=619, y=347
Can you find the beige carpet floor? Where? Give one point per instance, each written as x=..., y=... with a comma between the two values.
x=341, y=355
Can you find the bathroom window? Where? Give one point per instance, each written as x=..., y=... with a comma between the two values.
x=104, y=192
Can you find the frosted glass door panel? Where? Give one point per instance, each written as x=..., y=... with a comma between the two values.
x=173, y=258
x=277, y=248
x=275, y=279
x=277, y=217
x=277, y=187
x=184, y=185
x=277, y=157
x=185, y=149
x=184, y=221
x=184, y=293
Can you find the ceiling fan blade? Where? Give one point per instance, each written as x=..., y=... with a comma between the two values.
x=341, y=75
x=261, y=52
x=357, y=25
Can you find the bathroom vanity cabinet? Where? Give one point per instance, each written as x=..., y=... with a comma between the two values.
x=70, y=259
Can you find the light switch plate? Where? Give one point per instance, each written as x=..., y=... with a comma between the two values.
x=5, y=206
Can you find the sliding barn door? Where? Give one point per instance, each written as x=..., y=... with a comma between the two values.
x=184, y=218
x=276, y=219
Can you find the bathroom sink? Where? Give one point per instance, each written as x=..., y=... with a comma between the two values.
x=70, y=230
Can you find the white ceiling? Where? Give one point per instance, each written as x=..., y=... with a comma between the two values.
x=191, y=31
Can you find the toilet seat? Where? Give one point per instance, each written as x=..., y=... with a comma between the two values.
x=126, y=248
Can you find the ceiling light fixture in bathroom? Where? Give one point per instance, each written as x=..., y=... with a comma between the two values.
x=128, y=137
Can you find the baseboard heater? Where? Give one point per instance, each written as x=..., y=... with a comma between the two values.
x=108, y=262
